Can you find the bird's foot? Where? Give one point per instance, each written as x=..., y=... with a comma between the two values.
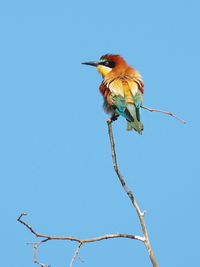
x=113, y=118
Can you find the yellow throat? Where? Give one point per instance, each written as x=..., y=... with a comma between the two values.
x=103, y=70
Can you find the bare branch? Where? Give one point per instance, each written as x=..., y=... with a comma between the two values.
x=71, y=238
x=165, y=112
x=130, y=194
x=80, y=241
x=144, y=239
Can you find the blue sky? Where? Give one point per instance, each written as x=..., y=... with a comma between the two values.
x=54, y=147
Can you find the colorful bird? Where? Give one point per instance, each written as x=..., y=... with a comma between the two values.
x=122, y=89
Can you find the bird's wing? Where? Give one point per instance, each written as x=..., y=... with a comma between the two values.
x=126, y=97
x=136, y=88
x=118, y=97
x=116, y=87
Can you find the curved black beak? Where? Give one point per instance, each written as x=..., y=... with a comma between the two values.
x=91, y=63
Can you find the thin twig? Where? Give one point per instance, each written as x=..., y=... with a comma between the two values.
x=82, y=260
x=130, y=194
x=35, y=253
x=165, y=112
x=80, y=241
x=75, y=254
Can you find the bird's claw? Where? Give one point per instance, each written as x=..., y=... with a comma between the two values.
x=114, y=117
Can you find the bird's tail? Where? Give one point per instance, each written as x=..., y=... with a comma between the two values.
x=135, y=122
x=135, y=125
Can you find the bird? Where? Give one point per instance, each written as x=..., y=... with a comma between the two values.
x=122, y=89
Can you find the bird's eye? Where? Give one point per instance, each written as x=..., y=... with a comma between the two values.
x=110, y=64
x=106, y=63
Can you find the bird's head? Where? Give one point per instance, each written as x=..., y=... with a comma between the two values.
x=107, y=63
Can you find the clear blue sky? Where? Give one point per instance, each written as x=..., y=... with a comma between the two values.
x=54, y=147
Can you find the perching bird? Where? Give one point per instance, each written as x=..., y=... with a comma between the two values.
x=122, y=89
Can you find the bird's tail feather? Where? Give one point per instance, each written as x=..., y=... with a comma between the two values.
x=135, y=125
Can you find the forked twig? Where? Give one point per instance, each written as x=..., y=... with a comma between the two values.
x=35, y=253
x=165, y=112
x=80, y=241
x=75, y=254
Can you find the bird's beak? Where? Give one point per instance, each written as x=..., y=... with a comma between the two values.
x=91, y=63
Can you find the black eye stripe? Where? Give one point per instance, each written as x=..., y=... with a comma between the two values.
x=110, y=64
